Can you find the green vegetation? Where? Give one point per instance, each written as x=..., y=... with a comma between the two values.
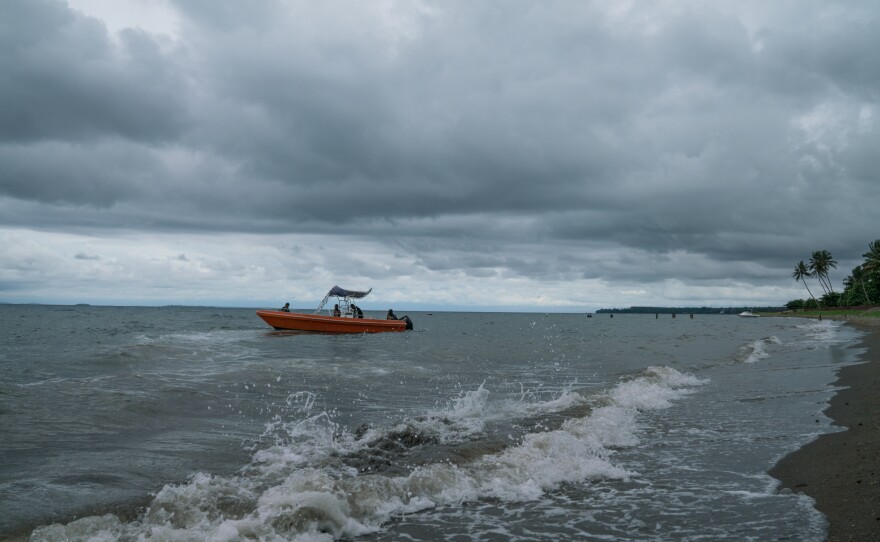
x=860, y=288
x=836, y=313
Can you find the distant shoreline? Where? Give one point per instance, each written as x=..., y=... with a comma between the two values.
x=841, y=471
x=690, y=310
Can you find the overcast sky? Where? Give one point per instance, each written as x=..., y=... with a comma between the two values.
x=457, y=154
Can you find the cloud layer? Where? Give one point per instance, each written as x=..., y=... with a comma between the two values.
x=689, y=151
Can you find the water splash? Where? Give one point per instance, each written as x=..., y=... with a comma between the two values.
x=302, y=488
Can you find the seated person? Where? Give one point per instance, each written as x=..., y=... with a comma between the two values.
x=358, y=313
x=336, y=311
x=285, y=308
x=391, y=315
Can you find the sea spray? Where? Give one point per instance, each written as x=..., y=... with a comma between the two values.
x=302, y=486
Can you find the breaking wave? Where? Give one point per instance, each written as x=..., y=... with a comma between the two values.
x=755, y=351
x=316, y=480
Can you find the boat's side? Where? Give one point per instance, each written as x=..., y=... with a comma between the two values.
x=328, y=324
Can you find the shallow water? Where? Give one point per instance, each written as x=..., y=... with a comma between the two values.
x=204, y=423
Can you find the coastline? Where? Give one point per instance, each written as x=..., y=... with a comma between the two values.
x=841, y=471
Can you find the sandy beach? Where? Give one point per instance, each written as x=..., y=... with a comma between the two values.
x=841, y=471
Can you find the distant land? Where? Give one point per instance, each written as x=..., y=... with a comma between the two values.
x=689, y=310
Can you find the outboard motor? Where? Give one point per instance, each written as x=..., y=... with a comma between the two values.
x=409, y=323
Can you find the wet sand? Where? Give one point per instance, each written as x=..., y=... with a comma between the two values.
x=841, y=471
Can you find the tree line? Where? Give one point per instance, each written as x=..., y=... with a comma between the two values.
x=689, y=310
x=860, y=287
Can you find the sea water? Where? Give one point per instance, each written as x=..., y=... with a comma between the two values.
x=177, y=423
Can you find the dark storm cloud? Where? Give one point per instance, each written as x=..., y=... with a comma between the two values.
x=730, y=131
x=62, y=78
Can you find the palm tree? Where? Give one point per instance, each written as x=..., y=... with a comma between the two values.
x=871, y=267
x=802, y=272
x=815, y=269
x=872, y=258
x=820, y=263
x=858, y=276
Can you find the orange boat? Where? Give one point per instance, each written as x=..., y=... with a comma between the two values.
x=345, y=317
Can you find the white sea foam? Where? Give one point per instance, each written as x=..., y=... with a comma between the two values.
x=820, y=333
x=297, y=489
x=566, y=400
x=756, y=350
x=468, y=413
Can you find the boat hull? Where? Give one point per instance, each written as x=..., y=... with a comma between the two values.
x=328, y=324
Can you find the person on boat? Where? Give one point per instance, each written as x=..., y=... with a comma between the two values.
x=336, y=311
x=405, y=318
x=358, y=313
x=285, y=308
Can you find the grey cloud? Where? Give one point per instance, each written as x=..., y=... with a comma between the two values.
x=63, y=79
x=470, y=129
x=827, y=48
x=95, y=175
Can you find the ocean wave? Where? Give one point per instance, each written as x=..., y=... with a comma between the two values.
x=755, y=351
x=820, y=333
x=308, y=485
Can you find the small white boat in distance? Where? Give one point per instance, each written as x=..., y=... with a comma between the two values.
x=747, y=314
